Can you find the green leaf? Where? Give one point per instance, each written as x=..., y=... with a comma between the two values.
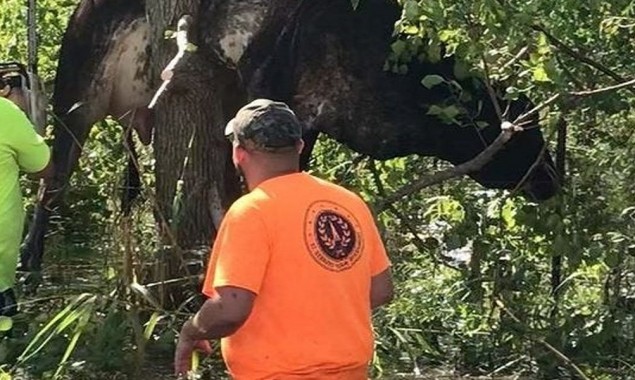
x=191, y=48
x=461, y=71
x=513, y=92
x=59, y=317
x=6, y=323
x=540, y=74
x=451, y=112
x=432, y=80
x=435, y=110
x=86, y=312
x=411, y=29
x=411, y=10
x=143, y=292
x=398, y=47
x=111, y=273
x=508, y=214
x=152, y=323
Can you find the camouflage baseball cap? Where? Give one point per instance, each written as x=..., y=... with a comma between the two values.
x=265, y=125
x=13, y=74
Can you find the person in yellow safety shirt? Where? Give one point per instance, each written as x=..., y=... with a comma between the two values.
x=21, y=149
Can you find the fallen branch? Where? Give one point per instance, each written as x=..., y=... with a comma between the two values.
x=604, y=89
x=507, y=131
x=416, y=240
x=515, y=58
x=184, y=45
x=562, y=357
x=490, y=89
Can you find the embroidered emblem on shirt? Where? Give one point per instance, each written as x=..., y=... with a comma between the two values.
x=332, y=236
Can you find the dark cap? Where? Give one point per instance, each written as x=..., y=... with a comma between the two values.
x=13, y=74
x=267, y=125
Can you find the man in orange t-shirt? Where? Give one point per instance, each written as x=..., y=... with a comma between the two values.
x=296, y=268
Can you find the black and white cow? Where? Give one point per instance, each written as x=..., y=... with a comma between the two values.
x=322, y=57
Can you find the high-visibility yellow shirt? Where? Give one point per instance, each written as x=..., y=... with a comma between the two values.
x=21, y=148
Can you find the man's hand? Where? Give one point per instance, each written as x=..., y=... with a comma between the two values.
x=184, y=350
x=220, y=316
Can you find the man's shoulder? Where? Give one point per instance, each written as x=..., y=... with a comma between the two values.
x=248, y=203
x=8, y=108
x=339, y=190
x=11, y=117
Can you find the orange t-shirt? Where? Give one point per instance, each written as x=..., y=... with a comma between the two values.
x=308, y=249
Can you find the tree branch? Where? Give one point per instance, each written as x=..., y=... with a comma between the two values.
x=604, y=89
x=507, y=131
x=562, y=357
x=184, y=45
x=490, y=89
x=416, y=240
x=579, y=56
x=515, y=58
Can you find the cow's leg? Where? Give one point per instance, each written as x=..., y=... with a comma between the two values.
x=70, y=135
x=141, y=121
x=131, y=181
x=310, y=138
x=98, y=74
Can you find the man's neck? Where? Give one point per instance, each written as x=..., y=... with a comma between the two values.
x=257, y=179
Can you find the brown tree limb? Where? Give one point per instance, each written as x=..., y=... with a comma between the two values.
x=416, y=240
x=618, y=86
x=515, y=58
x=579, y=56
x=183, y=44
x=562, y=357
x=527, y=115
x=490, y=89
x=507, y=131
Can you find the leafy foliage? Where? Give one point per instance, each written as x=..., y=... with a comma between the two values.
x=473, y=267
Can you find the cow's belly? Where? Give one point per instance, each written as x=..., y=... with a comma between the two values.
x=128, y=60
x=232, y=26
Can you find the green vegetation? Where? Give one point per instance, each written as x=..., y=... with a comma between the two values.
x=473, y=266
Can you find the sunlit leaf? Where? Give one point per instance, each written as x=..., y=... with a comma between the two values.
x=430, y=81
x=6, y=323
x=150, y=326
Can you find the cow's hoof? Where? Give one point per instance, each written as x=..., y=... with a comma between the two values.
x=30, y=282
x=29, y=261
x=8, y=304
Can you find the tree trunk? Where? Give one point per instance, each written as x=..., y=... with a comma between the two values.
x=193, y=182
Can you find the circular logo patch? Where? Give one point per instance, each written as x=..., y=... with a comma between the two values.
x=332, y=236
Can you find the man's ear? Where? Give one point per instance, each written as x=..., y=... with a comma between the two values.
x=299, y=146
x=5, y=91
x=240, y=154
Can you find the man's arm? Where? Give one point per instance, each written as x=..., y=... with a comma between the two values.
x=220, y=316
x=381, y=289
x=47, y=172
x=32, y=153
